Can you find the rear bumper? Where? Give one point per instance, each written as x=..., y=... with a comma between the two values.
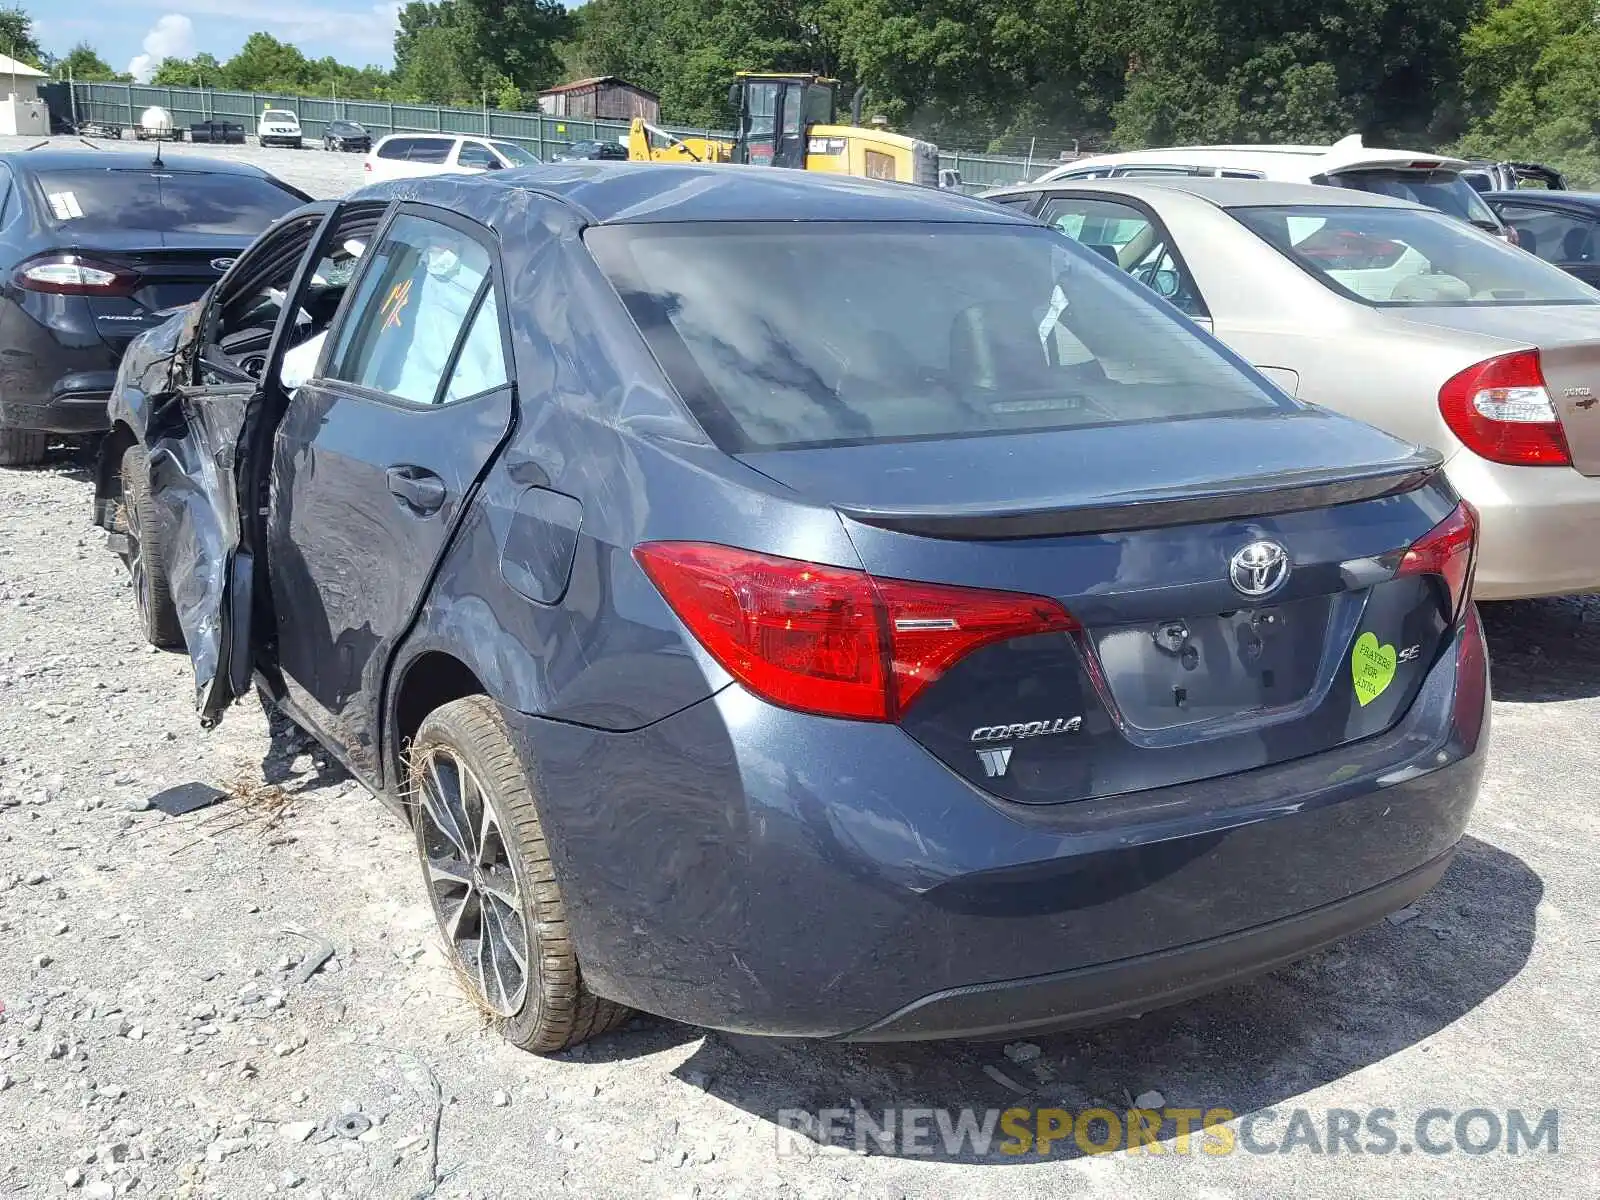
x=1538, y=528
x=75, y=404
x=747, y=868
x=1134, y=986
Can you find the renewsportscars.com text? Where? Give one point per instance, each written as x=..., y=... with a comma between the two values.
x=1215, y=1132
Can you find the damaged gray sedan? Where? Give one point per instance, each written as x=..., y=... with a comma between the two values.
x=804, y=605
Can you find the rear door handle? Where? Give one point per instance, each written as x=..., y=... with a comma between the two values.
x=421, y=489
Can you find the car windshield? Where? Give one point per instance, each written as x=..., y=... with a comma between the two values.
x=837, y=333
x=1446, y=191
x=1398, y=256
x=515, y=154
x=278, y=114
x=163, y=201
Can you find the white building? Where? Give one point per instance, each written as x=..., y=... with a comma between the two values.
x=21, y=110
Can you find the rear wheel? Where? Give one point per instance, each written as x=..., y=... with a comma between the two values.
x=145, y=556
x=22, y=447
x=488, y=874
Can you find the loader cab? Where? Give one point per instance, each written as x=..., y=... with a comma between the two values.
x=775, y=111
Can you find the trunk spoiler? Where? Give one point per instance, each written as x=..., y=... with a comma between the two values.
x=1285, y=492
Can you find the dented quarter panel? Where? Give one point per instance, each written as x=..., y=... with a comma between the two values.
x=598, y=425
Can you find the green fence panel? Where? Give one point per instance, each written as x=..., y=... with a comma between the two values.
x=545, y=135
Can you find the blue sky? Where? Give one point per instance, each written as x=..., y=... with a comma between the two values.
x=355, y=31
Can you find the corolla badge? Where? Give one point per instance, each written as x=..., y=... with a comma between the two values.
x=1259, y=569
x=222, y=264
x=996, y=760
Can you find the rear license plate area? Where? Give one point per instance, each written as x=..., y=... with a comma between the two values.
x=1186, y=670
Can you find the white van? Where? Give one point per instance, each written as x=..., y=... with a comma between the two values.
x=279, y=127
x=406, y=155
x=1431, y=179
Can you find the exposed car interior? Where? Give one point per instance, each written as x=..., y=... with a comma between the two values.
x=248, y=308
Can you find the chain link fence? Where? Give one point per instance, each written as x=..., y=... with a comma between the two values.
x=122, y=104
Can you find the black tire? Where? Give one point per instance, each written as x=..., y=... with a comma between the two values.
x=553, y=1009
x=146, y=557
x=22, y=447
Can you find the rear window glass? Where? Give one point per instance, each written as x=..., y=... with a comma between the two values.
x=1446, y=191
x=1393, y=256
x=784, y=335
x=163, y=201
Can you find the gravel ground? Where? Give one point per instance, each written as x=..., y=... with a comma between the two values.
x=166, y=1030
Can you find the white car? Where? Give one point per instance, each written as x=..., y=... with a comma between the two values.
x=405, y=155
x=1430, y=179
x=280, y=127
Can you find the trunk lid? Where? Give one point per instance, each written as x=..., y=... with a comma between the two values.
x=1567, y=337
x=168, y=276
x=1103, y=477
x=1144, y=534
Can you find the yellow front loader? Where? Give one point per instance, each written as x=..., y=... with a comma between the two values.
x=786, y=120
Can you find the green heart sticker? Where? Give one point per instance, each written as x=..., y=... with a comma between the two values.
x=1371, y=668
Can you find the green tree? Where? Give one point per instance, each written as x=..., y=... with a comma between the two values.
x=458, y=49
x=1532, y=79
x=431, y=73
x=511, y=39
x=17, y=38
x=83, y=63
x=202, y=70
x=266, y=64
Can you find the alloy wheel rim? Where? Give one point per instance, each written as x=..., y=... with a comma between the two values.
x=136, y=567
x=472, y=882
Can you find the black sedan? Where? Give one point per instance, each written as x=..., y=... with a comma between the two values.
x=346, y=137
x=601, y=151
x=1562, y=228
x=95, y=248
x=805, y=605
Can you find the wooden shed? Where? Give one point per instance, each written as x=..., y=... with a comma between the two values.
x=603, y=98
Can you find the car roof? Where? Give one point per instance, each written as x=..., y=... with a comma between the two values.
x=638, y=192
x=1556, y=197
x=1346, y=154
x=32, y=161
x=1224, y=193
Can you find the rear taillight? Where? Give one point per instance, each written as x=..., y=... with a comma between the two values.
x=1447, y=551
x=1501, y=411
x=831, y=640
x=71, y=275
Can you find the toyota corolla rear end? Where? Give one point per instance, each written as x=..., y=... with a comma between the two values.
x=1054, y=667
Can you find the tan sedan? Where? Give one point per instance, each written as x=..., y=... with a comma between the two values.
x=1388, y=311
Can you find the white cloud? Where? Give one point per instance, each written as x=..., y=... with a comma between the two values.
x=366, y=29
x=170, y=37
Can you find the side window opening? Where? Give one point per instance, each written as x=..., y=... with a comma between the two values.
x=246, y=314
x=1129, y=240
x=475, y=154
